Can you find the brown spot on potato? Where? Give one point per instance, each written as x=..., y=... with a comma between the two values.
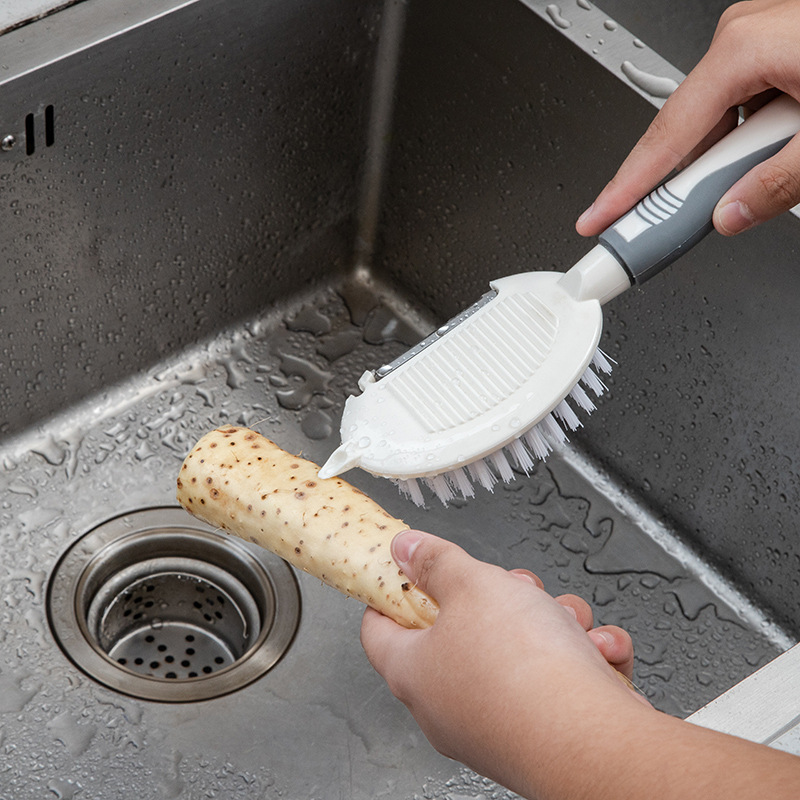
x=299, y=495
x=405, y=587
x=298, y=550
x=214, y=493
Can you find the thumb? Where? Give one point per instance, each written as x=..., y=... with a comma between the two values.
x=766, y=191
x=434, y=565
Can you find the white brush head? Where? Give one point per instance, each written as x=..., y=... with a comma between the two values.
x=493, y=379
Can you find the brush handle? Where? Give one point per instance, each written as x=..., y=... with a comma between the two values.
x=676, y=215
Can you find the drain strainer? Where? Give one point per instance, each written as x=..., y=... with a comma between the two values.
x=157, y=605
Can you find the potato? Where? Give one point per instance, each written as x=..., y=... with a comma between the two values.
x=237, y=480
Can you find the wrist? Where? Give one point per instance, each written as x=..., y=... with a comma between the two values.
x=584, y=723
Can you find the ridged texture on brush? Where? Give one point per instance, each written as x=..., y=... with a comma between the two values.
x=526, y=327
x=534, y=444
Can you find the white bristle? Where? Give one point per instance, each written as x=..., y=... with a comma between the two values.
x=441, y=488
x=602, y=362
x=500, y=463
x=481, y=474
x=538, y=445
x=578, y=394
x=591, y=381
x=461, y=481
x=550, y=426
x=565, y=413
x=410, y=488
x=521, y=456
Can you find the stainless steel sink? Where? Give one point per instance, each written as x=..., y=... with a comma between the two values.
x=224, y=212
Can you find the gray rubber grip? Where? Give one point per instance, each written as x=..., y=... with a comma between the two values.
x=686, y=222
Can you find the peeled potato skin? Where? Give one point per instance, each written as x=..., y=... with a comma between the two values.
x=240, y=481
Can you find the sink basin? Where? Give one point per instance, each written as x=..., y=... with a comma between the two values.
x=223, y=212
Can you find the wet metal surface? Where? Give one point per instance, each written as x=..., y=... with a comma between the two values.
x=321, y=716
x=179, y=260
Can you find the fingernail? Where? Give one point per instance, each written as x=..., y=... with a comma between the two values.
x=570, y=610
x=586, y=214
x=735, y=217
x=604, y=636
x=404, y=545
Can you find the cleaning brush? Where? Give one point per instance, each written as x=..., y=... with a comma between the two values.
x=497, y=388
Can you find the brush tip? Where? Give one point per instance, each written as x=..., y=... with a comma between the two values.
x=340, y=461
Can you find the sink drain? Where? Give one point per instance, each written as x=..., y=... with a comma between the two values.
x=157, y=605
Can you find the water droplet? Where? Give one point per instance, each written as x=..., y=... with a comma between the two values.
x=310, y=320
x=656, y=85
x=317, y=425
x=554, y=12
x=308, y=381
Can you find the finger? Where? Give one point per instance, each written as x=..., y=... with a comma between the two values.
x=435, y=565
x=696, y=112
x=766, y=191
x=616, y=646
x=381, y=639
x=581, y=609
x=527, y=575
x=730, y=119
x=758, y=101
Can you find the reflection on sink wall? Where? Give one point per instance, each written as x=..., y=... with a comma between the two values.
x=202, y=168
x=199, y=210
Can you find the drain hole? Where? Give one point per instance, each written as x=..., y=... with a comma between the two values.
x=169, y=610
x=143, y=615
